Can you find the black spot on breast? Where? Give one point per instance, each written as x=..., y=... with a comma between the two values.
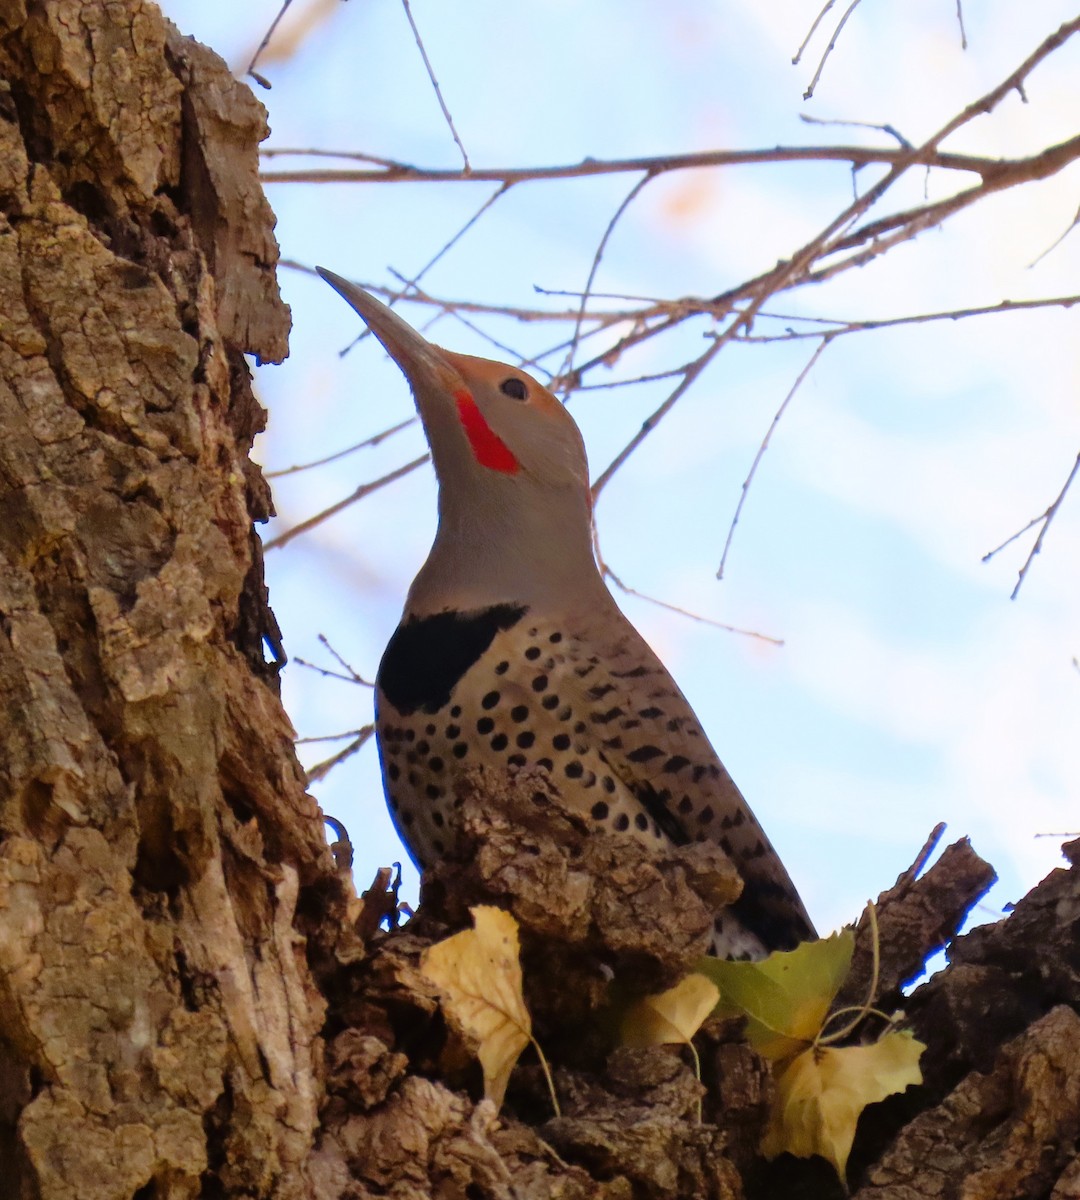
x=427, y=657
x=644, y=753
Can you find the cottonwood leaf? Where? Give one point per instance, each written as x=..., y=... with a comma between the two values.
x=786, y=996
x=478, y=976
x=671, y=1016
x=822, y=1091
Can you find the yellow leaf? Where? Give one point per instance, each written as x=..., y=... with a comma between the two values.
x=821, y=1093
x=478, y=974
x=786, y=996
x=671, y=1016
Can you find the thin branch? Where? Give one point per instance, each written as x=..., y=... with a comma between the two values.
x=398, y=172
x=367, y=443
x=567, y=372
x=960, y=22
x=649, y=424
x=825, y=340
x=261, y=79
x=1045, y=518
x=348, y=674
x=608, y=573
x=435, y=84
x=1056, y=242
x=807, y=119
x=953, y=314
x=315, y=738
x=411, y=286
x=321, y=770
x=830, y=47
x=419, y=296
x=810, y=33
x=470, y=325
x=365, y=489
x=500, y=191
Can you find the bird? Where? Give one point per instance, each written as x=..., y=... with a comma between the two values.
x=511, y=652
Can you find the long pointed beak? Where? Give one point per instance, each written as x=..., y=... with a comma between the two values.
x=420, y=360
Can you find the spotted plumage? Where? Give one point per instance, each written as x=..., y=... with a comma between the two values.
x=512, y=653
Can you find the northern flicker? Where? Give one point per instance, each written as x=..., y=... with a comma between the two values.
x=512, y=653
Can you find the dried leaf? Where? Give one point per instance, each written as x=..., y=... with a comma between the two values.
x=822, y=1091
x=478, y=975
x=671, y=1016
x=785, y=997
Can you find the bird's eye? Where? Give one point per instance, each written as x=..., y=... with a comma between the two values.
x=514, y=387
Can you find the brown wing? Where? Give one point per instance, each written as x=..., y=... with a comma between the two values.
x=648, y=734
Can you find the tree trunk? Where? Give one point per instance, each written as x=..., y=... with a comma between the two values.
x=157, y=1017
x=192, y=1000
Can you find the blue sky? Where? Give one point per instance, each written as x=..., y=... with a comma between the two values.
x=909, y=688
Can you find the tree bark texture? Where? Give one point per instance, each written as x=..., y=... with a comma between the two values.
x=157, y=1018
x=193, y=1001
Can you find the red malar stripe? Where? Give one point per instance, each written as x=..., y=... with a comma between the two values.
x=490, y=450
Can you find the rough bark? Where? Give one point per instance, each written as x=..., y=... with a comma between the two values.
x=193, y=1001
x=158, y=1022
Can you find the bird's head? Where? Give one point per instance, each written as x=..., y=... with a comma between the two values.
x=513, y=476
x=482, y=418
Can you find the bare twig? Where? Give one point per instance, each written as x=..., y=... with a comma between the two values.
x=842, y=327
x=1057, y=241
x=419, y=296
x=812, y=30
x=960, y=22
x=500, y=191
x=351, y=675
x=398, y=172
x=649, y=424
x=608, y=573
x=567, y=372
x=1044, y=519
x=365, y=489
x=470, y=325
x=830, y=47
x=891, y=130
x=329, y=737
x=322, y=769
x=354, y=675
x=435, y=84
x=826, y=339
x=260, y=79
x=367, y=443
